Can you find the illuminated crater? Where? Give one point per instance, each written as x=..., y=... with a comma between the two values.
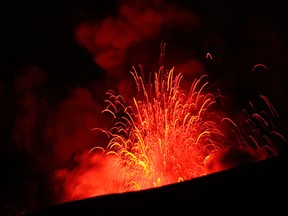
x=167, y=134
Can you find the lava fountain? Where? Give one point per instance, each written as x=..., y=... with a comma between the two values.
x=167, y=134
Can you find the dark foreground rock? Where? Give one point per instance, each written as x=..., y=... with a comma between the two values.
x=259, y=188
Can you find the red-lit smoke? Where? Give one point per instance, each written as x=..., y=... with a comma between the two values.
x=58, y=139
x=167, y=134
x=114, y=41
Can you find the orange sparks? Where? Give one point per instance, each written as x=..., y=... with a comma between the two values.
x=260, y=65
x=209, y=56
x=167, y=134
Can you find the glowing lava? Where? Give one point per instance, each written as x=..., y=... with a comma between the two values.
x=167, y=134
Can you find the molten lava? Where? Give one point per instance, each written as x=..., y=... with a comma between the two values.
x=167, y=134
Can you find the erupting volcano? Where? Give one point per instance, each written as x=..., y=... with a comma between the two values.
x=168, y=133
x=91, y=115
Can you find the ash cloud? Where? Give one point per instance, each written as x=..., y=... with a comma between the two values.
x=126, y=38
x=47, y=130
x=46, y=136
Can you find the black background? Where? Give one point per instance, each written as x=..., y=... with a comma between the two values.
x=41, y=34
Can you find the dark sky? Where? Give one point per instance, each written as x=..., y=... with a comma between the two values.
x=58, y=56
x=239, y=35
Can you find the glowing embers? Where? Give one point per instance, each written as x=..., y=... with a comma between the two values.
x=166, y=134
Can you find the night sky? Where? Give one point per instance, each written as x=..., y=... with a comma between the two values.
x=58, y=60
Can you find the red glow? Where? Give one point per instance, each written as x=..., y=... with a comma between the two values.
x=112, y=39
x=167, y=134
x=64, y=139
